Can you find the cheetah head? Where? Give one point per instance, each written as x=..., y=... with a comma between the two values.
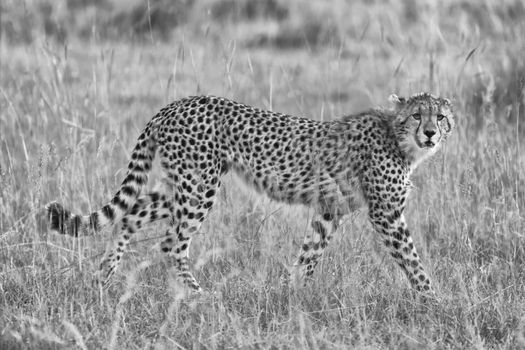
x=422, y=123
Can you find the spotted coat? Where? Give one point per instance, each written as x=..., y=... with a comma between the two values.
x=335, y=167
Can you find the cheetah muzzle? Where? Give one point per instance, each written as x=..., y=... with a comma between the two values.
x=335, y=167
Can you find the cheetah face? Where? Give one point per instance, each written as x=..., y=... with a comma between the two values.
x=423, y=122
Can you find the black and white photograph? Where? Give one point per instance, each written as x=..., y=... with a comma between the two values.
x=262, y=174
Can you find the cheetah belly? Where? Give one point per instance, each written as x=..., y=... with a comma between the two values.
x=302, y=185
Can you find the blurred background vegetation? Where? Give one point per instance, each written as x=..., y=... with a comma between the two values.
x=476, y=44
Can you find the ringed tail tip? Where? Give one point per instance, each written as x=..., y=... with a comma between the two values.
x=62, y=220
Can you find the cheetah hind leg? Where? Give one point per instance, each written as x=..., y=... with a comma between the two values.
x=323, y=227
x=176, y=246
x=189, y=215
x=149, y=208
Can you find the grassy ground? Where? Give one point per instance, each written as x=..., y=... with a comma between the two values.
x=77, y=85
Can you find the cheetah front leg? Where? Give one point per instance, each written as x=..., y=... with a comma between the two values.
x=324, y=225
x=397, y=239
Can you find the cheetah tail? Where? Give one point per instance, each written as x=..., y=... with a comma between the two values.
x=65, y=222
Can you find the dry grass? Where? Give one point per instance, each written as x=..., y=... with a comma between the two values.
x=69, y=114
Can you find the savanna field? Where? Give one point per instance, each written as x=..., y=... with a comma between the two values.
x=80, y=79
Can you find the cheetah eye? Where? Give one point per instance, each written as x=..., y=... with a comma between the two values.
x=440, y=117
x=416, y=116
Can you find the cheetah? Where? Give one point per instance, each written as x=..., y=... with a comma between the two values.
x=335, y=167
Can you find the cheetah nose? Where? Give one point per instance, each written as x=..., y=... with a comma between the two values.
x=429, y=133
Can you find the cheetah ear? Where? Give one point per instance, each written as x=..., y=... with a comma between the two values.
x=396, y=100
